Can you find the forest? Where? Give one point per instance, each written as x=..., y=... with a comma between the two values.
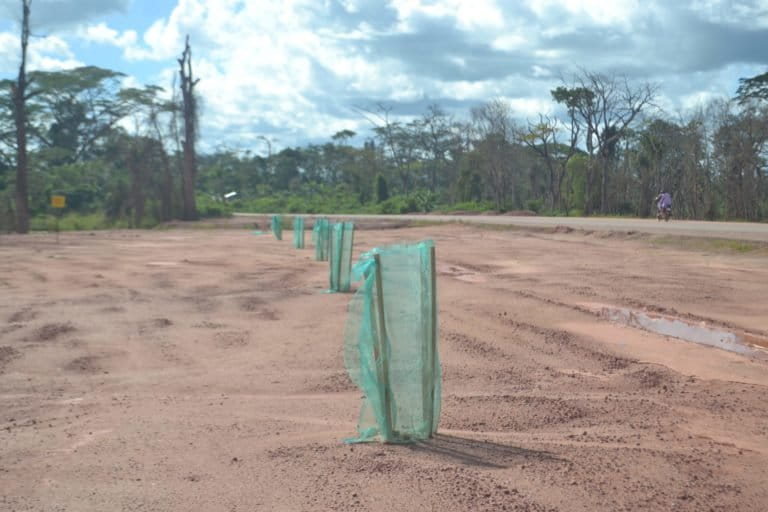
x=126, y=157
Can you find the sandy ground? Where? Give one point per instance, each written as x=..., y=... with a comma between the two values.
x=202, y=370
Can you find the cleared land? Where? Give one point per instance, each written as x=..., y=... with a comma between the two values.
x=202, y=370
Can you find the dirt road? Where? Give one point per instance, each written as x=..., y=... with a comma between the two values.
x=202, y=370
x=756, y=232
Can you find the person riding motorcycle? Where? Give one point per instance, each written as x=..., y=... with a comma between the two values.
x=663, y=205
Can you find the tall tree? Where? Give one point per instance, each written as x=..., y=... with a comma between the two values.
x=741, y=147
x=542, y=138
x=189, y=102
x=495, y=128
x=148, y=146
x=75, y=110
x=436, y=138
x=19, y=93
x=754, y=88
x=399, y=140
x=606, y=106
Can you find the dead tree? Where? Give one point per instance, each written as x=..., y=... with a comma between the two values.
x=189, y=171
x=19, y=94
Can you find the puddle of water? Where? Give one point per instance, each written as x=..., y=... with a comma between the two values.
x=740, y=343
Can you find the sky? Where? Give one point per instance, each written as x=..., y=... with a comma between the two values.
x=294, y=71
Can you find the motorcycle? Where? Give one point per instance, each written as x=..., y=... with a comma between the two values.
x=664, y=213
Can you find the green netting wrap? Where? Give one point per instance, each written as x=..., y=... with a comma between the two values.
x=342, y=240
x=390, y=346
x=298, y=232
x=321, y=237
x=277, y=226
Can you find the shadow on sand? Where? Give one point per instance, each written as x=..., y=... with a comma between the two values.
x=481, y=453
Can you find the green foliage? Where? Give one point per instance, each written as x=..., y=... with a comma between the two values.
x=468, y=206
x=711, y=244
x=535, y=205
x=111, y=151
x=576, y=177
x=209, y=207
x=424, y=200
x=382, y=190
x=398, y=204
x=573, y=98
x=754, y=88
x=81, y=222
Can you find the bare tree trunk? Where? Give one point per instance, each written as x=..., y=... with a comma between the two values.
x=19, y=90
x=166, y=189
x=136, y=166
x=166, y=181
x=588, y=187
x=189, y=172
x=604, y=186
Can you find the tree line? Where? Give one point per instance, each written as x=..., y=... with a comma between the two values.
x=611, y=151
x=129, y=153
x=78, y=132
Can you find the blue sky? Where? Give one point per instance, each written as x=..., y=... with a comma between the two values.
x=294, y=70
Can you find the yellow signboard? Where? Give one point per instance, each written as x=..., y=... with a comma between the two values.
x=58, y=201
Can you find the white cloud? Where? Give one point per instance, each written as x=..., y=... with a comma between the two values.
x=50, y=53
x=752, y=14
x=263, y=64
x=509, y=42
x=466, y=14
x=102, y=34
x=599, y=11
x=295, y=69
x=531, y=107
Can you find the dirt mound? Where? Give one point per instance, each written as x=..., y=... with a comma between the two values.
x=515, y=413
x=25, y=315
x=51, y=332
x=7, y=354
x=230, y=339
x=88, y=365
x=268, y=314
x=161, y=323
x=337, y=382
x=250, y=304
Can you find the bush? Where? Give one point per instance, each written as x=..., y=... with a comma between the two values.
x=394, y=205
x=83, y=222
x=424, y=200
x=382, y=190
x=208, y=207
x=535, y=205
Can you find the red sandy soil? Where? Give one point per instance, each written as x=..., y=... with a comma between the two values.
x=188, y=370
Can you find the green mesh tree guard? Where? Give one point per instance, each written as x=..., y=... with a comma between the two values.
x=277, y=226
x=342, y=240
x=298, y=232
x=321, y=237
x=390, y=346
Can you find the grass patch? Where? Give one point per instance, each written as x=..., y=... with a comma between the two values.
x=711, y=244
x=80, y=222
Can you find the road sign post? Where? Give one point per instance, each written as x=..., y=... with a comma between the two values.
x=58, y=202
